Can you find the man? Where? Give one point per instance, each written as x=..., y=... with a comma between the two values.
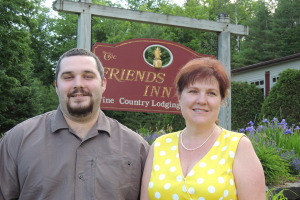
x=74, y=152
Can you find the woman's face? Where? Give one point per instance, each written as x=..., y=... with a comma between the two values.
x=200, y=102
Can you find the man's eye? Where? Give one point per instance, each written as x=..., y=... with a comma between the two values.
x=88, y=76
x=212, y=93
x=67, y=77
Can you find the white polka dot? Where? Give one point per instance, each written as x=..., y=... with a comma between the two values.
x=157, y=195
x=224, y=148
x=167, y=186
x=169, y=140
x=221, y=180
x=156, y=167
x=177, y=155
x=228, y=171
x=222, y=161
x=211, y=189
x=231, y=181
x=231, y=154
x=179, y=178
x=221, y=198
x=168, y=161
x=202, y=164
x=178, y=134
x=175, y=197
x=183, y=188
x=217, y=143
x=226, y=135
x=201, y=198
x=211, y=171
x=191, y=173
x=225, y=193
x=235, y=139
x=162, y=177
x=157, y=144
x=173, y=148
x=173, y=169
x=200, y=180
x=151, y=184
x=191, y=190
x=214, y=157
x=162, y=153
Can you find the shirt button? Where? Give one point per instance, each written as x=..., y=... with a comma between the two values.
x=80, y=176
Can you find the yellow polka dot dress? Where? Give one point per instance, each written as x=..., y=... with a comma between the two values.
x=210, y=179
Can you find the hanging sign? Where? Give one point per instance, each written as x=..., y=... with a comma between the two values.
x=140, y=74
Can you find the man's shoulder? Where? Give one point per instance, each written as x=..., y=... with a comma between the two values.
x=31, y=123
x=124, y=130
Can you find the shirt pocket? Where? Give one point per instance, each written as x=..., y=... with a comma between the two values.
x=116, y=173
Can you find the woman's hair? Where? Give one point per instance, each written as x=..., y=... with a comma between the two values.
x=202, y=69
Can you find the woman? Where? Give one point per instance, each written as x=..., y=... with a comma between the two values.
x=204, y=161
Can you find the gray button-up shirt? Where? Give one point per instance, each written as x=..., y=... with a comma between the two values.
x=42, y=158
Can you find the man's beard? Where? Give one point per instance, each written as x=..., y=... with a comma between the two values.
x=81, y=111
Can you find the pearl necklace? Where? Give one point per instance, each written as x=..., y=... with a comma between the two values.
x=197, y=146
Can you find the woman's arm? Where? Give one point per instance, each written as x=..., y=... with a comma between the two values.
x=147, y=174
x=248, y=172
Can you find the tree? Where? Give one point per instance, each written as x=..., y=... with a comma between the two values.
x=286, y=27
x=17, y=96
x=284, y=98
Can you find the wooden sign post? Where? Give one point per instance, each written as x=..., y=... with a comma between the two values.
x=85, y=9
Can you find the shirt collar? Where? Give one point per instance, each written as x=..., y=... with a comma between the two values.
x=104, y=123
x=58, y=122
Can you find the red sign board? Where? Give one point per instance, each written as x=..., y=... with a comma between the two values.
x=136, y=84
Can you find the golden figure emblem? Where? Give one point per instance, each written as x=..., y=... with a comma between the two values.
x=157, y=60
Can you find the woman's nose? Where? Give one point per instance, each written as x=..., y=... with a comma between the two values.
x=201, y=99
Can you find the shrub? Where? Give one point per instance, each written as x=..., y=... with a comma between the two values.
x=284, y=98
x=246, y=101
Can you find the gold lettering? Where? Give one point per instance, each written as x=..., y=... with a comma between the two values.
x=155, y=90
x=130, y=73
x=114, y=74
x=139, y=74
x=108, y=55
x=146, y=91
x=165, y=90
x=148, y=80
x=122, y=75
x=161, y=77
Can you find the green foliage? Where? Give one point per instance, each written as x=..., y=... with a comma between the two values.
x=277, y=196
x=149, y=121
x=284, y=98
x=275, y=168
x=246, y=101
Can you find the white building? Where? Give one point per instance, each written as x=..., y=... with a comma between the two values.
x=265, y=74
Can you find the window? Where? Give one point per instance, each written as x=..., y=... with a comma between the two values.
x=260, y=84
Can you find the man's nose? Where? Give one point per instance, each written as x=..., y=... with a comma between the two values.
x=78, y=82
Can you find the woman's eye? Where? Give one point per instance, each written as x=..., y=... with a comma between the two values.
x=192, y=91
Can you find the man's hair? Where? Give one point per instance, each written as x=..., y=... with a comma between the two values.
x=80, y=52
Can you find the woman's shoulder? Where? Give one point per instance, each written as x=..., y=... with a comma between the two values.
x=168, y=135
x=232, y=134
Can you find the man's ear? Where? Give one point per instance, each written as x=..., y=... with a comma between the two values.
x=56, y=89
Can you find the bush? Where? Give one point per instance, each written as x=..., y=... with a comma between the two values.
x=246, y=101
x=150, y=121
x=284, y=98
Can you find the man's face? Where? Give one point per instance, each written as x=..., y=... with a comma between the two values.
x=79, y=86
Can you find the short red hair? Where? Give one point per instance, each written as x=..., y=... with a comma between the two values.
x=202, y=68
